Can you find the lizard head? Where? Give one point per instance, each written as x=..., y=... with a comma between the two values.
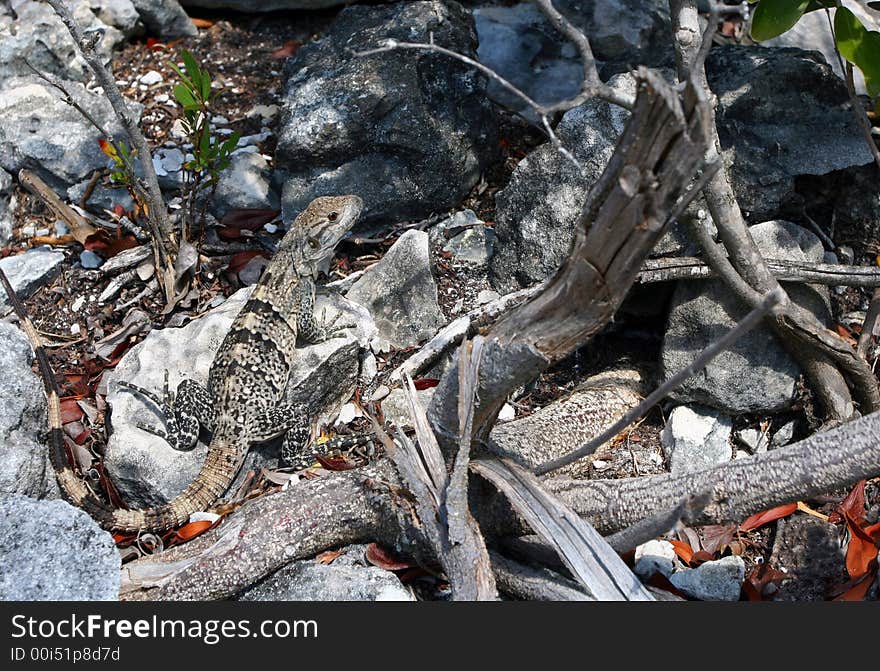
x=318, y=229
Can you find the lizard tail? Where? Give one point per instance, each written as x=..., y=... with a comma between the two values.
x=203, y=492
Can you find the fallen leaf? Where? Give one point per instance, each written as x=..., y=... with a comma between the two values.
x=251, y=219
x=70, y=411
x=861, y=552
x=760, y=519
x=858, y=591
x=336, y=463
x=155, y=45
x=759, y=579
x=329, y=557
x=241, y=259
x=426, y=383
x=289, y=48
x=846, y=334
x=201, y=23
x=379, y=556
x=684, y=551
x=853, y=505
x=717, y=537
x=192, y=529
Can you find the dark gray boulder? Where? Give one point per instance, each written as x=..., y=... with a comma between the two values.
x=755, y=374
x=781, y=113
x=537, y=210
x=410, y=132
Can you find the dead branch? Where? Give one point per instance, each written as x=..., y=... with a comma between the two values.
x=823, y=355
x=157, y=214
x=80, y=228
x=657, y=157
x=742, y=327
x=534, y=584
x=356, y=506
x=584, y=552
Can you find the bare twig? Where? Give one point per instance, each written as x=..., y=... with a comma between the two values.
x=750, y=321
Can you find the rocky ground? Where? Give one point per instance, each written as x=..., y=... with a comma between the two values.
x=465, y=201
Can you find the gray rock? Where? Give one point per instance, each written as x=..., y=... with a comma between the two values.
x=42, y=133
x=783, y=435
x=809, y=550
x=395, y=407
x=521, y=45
x=7, y=206
x=695, y=438
x=537, y=210
x=144, y=467
x=25, y=467
x=34, y=33
x=348, y=578
x=765, y=146
x=443, y=231
x=165, y=18
x=719, y=580
x=755, y=373
x=474, y=245
x=812, y=32
x=401, y=294
x=757, y=87
x=244, y=184
x=88, y=259
x=263, y=6
x=655, y=556
x=120, y=14
x=753, y=439
x=408, y=132
x=53, y=551
x=28, y=271
x=102, y=197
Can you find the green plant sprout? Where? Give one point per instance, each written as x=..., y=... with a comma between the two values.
x=210, y=154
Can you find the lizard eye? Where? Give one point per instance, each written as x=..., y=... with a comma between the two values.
x=333, y=216
x=313, y=243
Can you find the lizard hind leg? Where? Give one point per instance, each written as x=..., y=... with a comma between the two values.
x=182, y=413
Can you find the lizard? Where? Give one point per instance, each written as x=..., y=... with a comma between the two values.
x=244, y=399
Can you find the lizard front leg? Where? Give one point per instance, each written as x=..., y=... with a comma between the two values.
x=182, y=412
x=309, y=329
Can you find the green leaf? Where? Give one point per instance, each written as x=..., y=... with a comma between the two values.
x=231, y=142
x=774, y=17
x=184, y=97
x=859, y=46
x=206, y=85
x=186, y=80
x=192, y=69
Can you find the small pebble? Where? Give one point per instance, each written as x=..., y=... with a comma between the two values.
x=61, y=228
x=74, y=329
x=152, y=77
x=507, y=412
x=88, y=259
x=77, y=303
x=271, y=228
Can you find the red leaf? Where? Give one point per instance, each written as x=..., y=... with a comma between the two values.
x=193, y=529
x=861, y=553
x=858, y=591
x=201, y=23
x=229, y=232
x=759, y=578
x=70, y=411
x=853, y=506
x=155, y=45
x=289, y=49
x=81, y=437
x=251, y=219
x=426, y=383
x=336, y=463
x=379, y=556
x=683, y=550
x=329, y=557
x=118, y=210
x=701, y=556
x=717, y=537
x=241, y=259
x=760, y=519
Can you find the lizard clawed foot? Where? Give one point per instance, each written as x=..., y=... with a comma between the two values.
x=328, y=330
